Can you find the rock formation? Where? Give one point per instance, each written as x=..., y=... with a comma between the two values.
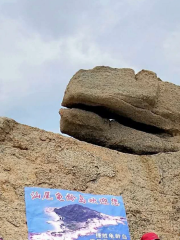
x=136, y=114
x=120, y=110
x=92, y=128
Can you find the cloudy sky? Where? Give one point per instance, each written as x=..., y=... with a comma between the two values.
x=44, y=42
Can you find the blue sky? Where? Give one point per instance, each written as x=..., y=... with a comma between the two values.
x=43, y=43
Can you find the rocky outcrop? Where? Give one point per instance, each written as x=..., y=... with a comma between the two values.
x=150, y=185
x=138, y=115
x=145, y=110
x=90, y=127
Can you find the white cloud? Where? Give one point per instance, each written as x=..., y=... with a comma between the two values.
x=20, y=49
x=82, y=51
x=23, y=51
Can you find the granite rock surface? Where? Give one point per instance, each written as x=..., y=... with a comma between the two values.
x=121, y=110
x=149, y=184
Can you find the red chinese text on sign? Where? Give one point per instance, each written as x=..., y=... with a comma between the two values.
x=92, y=200
x=70, y=197
x=82, y=199
x=104, y=201
x=59, y=197
x=47, y=196
x=114, y=202
x=35, y=195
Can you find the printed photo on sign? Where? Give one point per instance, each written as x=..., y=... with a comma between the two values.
x=54, y=214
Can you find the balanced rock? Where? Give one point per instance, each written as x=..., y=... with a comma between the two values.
x=149, y=185
x=145, y=110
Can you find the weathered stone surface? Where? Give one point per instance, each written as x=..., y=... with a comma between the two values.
x=150, y=185
x=142, y=97
x=89, y=127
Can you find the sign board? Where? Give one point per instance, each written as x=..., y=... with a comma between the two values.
x=54, y=214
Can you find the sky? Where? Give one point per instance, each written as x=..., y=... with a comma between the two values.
x=43, y=43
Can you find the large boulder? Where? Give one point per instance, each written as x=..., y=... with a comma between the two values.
x=145, y=110
x=90, y=127
x=150, y=185
x=141, y=97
